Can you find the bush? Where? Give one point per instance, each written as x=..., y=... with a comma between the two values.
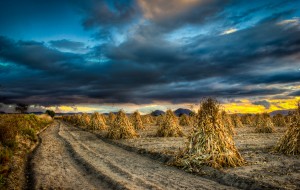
x=50, y=113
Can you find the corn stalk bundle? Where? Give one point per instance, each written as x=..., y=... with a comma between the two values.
x=290, y=142
x=111, y=118
x=159, y=119
x=76, y=119
x=236, y=121
x=121, y=128
x=97, y=122
x=185, y=120
x=263, y=124
x=147, y=119
x=169, y=126
x=247, y=120
x=279, y=120
x=137, y=120
x=85, y=120
x=228, y=123
x=210, y=142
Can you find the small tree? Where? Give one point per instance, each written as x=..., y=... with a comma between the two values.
x=50, y=113
x=21, y=108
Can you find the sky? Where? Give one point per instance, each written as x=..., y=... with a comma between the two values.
x=103, y=55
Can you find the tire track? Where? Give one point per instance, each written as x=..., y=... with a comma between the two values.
x=128, y=169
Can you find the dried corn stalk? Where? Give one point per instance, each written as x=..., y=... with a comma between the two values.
x=97, y=122
x=263, y=123
x=290, y=142
x=210, y=143
x=185, y=120
x=121, y=128
x=137, y=120
x=169, y=126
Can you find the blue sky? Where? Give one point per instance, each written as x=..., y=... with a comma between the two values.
x=140, y=52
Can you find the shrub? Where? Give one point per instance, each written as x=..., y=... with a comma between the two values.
x=50, y=113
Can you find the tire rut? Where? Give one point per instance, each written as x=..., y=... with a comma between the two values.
x=127, y=169
x=52, y=166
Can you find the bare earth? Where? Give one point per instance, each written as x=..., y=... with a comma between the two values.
x=70, y=158
x=263, y=165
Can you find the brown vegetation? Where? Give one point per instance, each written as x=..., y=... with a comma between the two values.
x=169, y=126
x=210, y=143
x=121, y=128
x=290, y=142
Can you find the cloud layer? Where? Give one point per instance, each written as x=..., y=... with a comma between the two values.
x=141, y=52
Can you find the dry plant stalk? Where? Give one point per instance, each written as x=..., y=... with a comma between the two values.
x=279, y=120
x=111, y=118
x=137, y=121
x=147, y=119
x=290, y=142
x=121, y=128
x=236, y=121
x=263, y=123
x=85, y=120
x=247, y=120
x=97, y=122
x=185, y=120
x=228, y=123
x=210, y=143
x=169, y=126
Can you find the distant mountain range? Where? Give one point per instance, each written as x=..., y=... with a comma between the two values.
x=181, y=111
x=157, y=113
x=283, y=112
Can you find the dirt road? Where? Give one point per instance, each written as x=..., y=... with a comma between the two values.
x=69, y=158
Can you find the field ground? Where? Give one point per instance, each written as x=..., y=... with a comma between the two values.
x=264, y=169
x=71, y=158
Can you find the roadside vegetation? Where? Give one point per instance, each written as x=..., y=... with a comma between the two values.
x=18, y=134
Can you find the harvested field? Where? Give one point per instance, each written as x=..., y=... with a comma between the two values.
x=264, y=168
x=71, y=158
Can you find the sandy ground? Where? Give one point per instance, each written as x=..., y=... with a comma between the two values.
x=263, y=165
x=70, y=158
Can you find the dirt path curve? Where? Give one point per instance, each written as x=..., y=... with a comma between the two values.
x=69, y=158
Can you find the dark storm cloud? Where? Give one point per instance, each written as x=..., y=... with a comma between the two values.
x=68, y=45
x=146, y=66
x=104, y=13
x=175, y=13
x=264, y=103
x=295, y=93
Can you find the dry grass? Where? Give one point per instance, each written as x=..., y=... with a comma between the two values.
x=169, y=126
x=210, y=143
x=121, y=128
x=18, y=132
x=290, y=142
